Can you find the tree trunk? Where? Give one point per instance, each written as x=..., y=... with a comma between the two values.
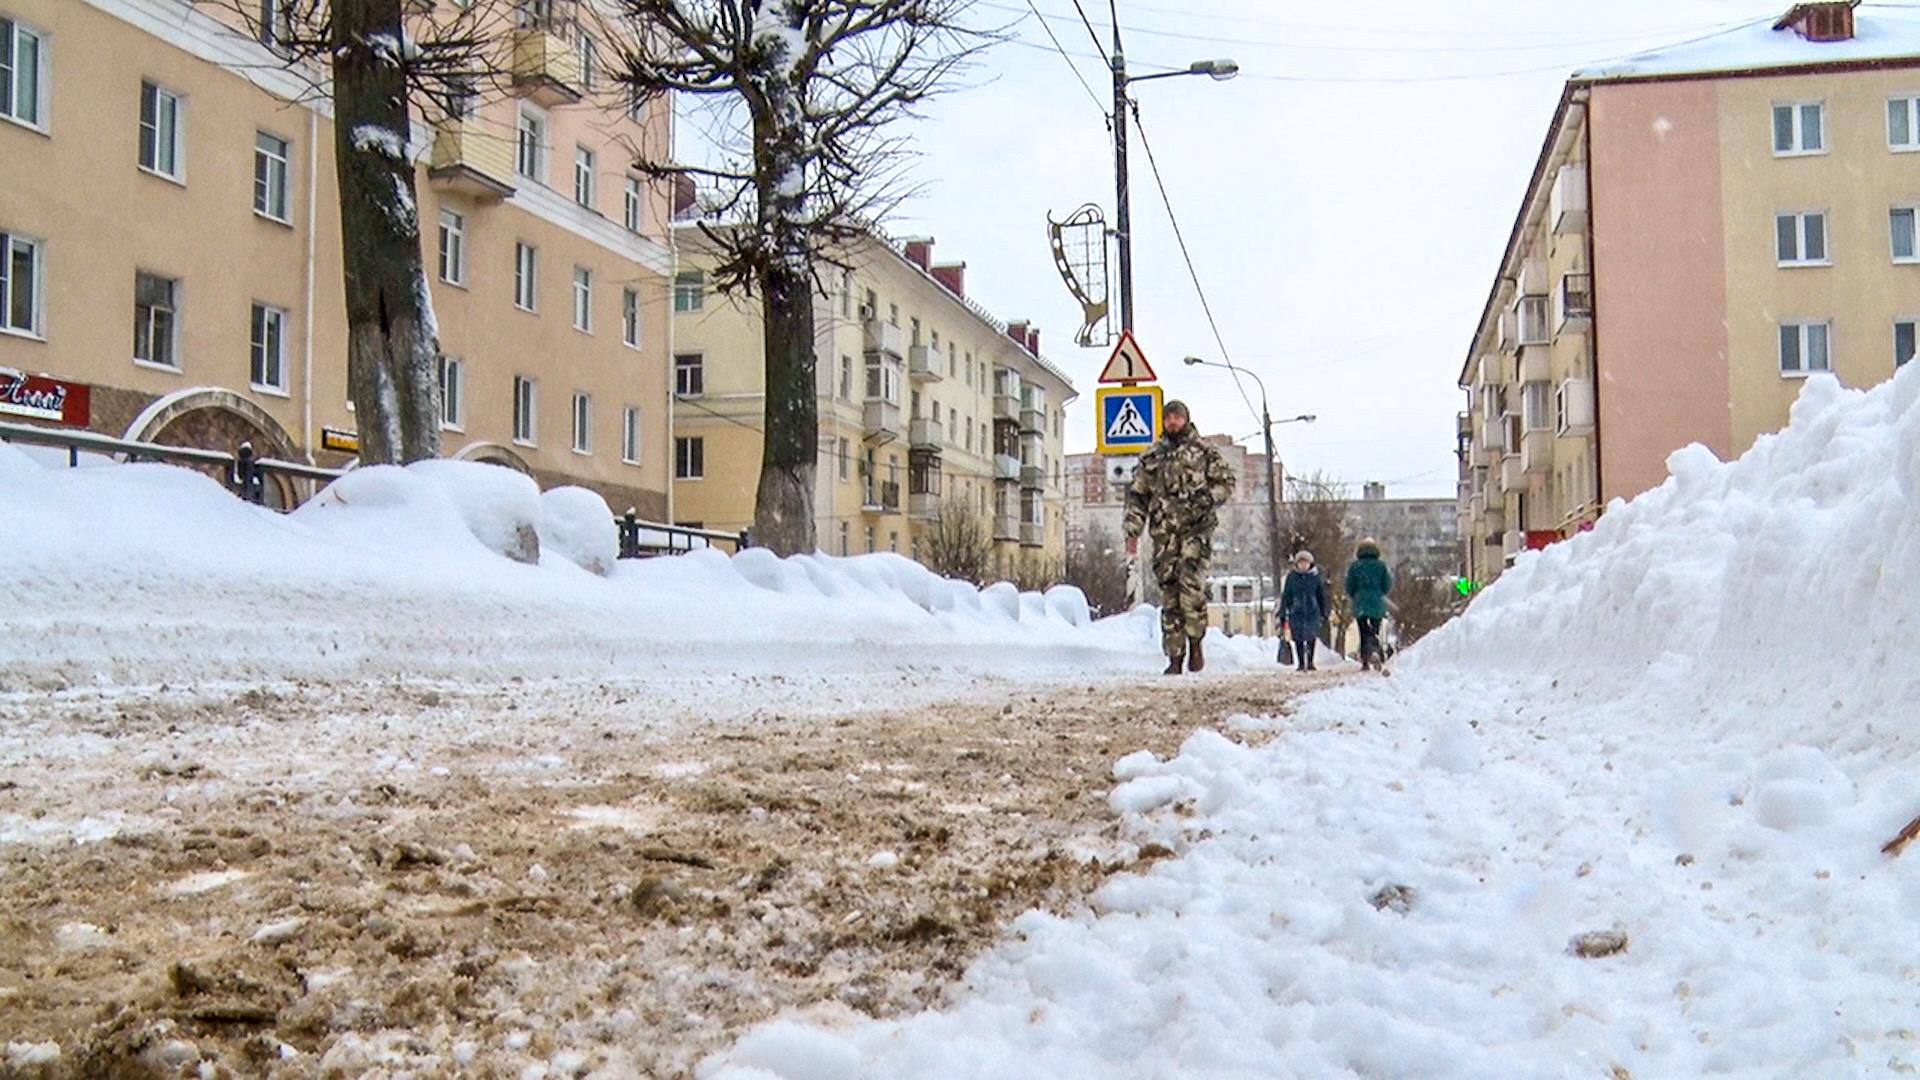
x=392, y=346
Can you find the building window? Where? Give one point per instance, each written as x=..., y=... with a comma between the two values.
x=893, y=314
x=915, y=329
x=583, y=299
x=843, y=538
x=969, y=431
x=23, y=74
x=269, y=348
x=270, y=176
x=453, y=393
x=22, y=278
x=689, y=457
x=582, y=423
x=636, y=105
x=689, y=290
x=155, y=319
x=583, y=176
x=1800, y=238
x=453, y=247
x=846, y=377
x=1799, y=127
x=631, y=210
x=1905, y=341
x=589, y=62
x=1901, y=224
x=526, y=276
x=845, y=459
x=630, y=318
x=1903, y=124
x=883, y=379
x=869, y=539
x=530, y=156
x=689, y=375
x=1803, y=348
x=630, y=436
x=526, y=407
x=1537, y=405
x=159, y=131
x=846, y=294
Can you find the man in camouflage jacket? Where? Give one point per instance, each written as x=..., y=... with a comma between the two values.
x=1176, y=497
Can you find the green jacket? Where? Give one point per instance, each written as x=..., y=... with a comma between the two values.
x=1179, y=488
x=1368, y=583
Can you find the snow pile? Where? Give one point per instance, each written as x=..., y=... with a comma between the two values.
x=1883, y=31
x=148, y=573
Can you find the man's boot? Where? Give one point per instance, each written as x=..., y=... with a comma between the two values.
x=1173, y=665
x=1195, y=660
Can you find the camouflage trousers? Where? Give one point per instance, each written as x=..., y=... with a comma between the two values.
x=1180, y=565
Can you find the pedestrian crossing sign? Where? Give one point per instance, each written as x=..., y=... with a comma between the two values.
x=1129, y=418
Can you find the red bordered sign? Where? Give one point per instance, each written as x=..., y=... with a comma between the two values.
x=38, y=397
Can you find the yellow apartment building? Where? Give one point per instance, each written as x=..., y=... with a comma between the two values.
x=170, y=234
x=1706, y=226
x=928, y=404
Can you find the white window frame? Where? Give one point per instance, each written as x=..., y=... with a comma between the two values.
x=532, y=130
x=685, y=449
x=1536, y=406
x=452, y=248
x=630, y=206
x=630, y=317
x=689, y=291
x=14, y=29
x=632, y=443
x=526, y=276
x=1799, y=147
x=177, y=135
x=584, y=162
x=173, y=325
x=262, y=317
x=277, y=180
x=1912, y=210
x=1800, y=219
x=1911, y=102
x=697, y=370
x=526, y=411
x=582, y=423
x=36, y=327
x=1907, y=320
x=583, y=299
x=588, y=51
x=453, y=393
x=1804, y=326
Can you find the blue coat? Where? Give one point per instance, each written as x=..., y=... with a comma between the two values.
x=1304, y=603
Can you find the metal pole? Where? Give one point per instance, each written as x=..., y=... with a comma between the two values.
x=1273, y=500
x=1123, y=214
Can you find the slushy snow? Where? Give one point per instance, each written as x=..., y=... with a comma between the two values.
x=1690, y=730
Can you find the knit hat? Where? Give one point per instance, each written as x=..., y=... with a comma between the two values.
x=1175, y=406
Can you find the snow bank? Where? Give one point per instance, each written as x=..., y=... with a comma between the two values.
x=148, y=573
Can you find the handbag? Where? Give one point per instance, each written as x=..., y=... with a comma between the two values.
x=1286, y=649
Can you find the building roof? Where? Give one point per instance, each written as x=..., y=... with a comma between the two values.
x=1881, y=32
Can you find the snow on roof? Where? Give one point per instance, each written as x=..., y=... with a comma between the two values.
x=1881, y=32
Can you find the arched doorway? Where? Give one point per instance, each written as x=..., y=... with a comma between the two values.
x=494, y=454
x=210, y=418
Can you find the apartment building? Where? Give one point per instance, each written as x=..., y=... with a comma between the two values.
x=1706, y=226
x=928, y=404
x=170, y=237
x=1415, y=535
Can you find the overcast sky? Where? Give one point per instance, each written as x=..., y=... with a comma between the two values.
x=1346, y=199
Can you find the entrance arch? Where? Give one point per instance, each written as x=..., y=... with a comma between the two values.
x=212, y=418
x=494, y=453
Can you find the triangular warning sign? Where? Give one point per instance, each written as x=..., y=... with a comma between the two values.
x=1127, y=364
x=1128, y=423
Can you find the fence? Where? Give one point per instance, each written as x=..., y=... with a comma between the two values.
x=246, y=475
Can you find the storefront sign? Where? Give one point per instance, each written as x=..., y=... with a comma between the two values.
x=1540, y=538
x=346, y=442
x=41, y=398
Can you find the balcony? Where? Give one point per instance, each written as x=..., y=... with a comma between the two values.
x=1006, y=527
x=1536, y=452
x=1533, y=276
x=546, y=66
x=1006, y=467
x=881, y=420
x=925, y=365
x=1512, y=543
x=881, y=497
x=1509, y=337
x=923, y=507
x=1536, y=363
x=1567, y=203
x=469, y=160
x=1033, y=420
x=1573, y=304
x=1033, y=534
x=926, y=434
x=1573, y=404
x=1006, y=407
x=1530, y=317
x=1032, y=477
x=1513, y=473
x=884, y=337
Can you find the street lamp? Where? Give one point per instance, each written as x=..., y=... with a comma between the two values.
x=1218, y=70
x=1273, y=459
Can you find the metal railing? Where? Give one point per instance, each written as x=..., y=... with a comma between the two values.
x=245, y=475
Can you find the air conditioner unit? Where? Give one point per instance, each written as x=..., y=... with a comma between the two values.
x=866, y=313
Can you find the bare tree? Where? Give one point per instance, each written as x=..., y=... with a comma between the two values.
x=958, y=542
x=1036, y=574
x=379, y=62
x=799, y=98
x=1421, y=603
x=1314, y=518
x=1099, y=568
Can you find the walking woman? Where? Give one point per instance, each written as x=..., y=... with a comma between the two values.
x=1368, y=583
x=1306, y=602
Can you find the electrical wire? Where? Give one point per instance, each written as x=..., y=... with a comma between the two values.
x=1088, y=23
x=1062, y=50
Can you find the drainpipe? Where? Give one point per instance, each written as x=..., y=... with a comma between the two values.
x=313, y=200
x=1593, y=301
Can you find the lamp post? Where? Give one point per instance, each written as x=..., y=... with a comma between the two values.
x=1273, y=460
x=1219, y=71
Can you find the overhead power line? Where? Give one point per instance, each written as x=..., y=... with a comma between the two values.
x=1062, y=50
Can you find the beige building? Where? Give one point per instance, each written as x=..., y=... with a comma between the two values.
x=172, y=248
x=926, y=401
x=1706, y=226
